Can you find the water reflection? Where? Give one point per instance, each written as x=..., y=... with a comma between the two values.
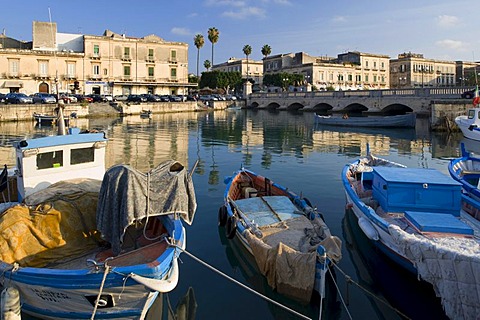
x=394, y=292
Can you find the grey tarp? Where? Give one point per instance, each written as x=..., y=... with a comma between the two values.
x=124, y=199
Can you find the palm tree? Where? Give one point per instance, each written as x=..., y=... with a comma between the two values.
x=213, y=35
x=266, y=50
x=207, y=64
x=199, y=41
x=247, y=50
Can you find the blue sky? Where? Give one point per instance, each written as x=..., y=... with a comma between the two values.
x=441, y=29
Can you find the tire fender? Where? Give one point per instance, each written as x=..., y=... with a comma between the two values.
x=222, y=216
x=231, y=227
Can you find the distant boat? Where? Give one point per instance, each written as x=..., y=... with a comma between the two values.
x=48, y=120
x=146, y=113
x=75, y=246
x=470, y=124
x=414, y=216
x=290, y=241
x=406, y=120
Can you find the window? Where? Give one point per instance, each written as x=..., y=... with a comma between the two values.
x=48, y=160
x=14, y=66
x=96, y=69
x=43, y=68
x=96, y=50
x=70, y=69
x=126, y=53
x=126, y=71
x=82, y=155
x=150, y=54
x=151, y=72
x=366, y=63
x=173, y=55
x=173, y=73
x=374, y=64
x=105, y=72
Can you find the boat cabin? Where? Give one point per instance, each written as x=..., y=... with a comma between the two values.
x=47, y=160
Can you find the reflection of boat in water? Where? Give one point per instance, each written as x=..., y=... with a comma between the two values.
x=395, y=133
x=48, y=120
x=146, y=114
x=390, y=283
x=184, y=309
x=240, y=259
x=396, y=121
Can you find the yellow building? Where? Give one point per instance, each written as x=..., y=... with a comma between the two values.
x=108, y=64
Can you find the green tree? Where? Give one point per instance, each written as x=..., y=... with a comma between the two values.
x=199, y=41
x=266, y=50
x=220, y=79
x=207, y=64
x=247, y=50
x=213, y=35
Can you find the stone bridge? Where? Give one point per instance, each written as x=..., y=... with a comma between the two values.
x=390, y=101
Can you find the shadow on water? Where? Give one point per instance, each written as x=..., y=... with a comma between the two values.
x=386, y=281
x=240, y=259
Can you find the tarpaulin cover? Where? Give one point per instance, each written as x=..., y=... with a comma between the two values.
x=128, y=195
x=58, y=223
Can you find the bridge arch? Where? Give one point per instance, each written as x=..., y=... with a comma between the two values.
x=273, y=105
x=322, y=108
x=355, y=108
x=254, y=105
x=295, y=106
x=396, y=108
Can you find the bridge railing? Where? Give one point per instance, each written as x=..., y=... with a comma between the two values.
x=435, y=92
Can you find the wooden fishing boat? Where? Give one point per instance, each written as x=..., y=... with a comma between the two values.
x=146, y=113
x=406, y=120
x=288, y=238
x=414, y=216
x=101, y=244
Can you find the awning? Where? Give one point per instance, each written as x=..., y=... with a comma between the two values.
x=13, y=84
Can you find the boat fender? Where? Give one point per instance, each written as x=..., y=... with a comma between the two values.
x=222, y=216
x=368, y=229
x=231, y=227
x=10, y=304
x=159, y=285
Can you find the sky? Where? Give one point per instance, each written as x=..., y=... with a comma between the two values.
x=438, y=29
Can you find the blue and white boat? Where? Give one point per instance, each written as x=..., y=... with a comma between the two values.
x=79, y=242
x=288, y=238
x=469, y=124
x=414, y=216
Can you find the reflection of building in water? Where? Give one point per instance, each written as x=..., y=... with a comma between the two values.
x=142, y=147
x=252, y=135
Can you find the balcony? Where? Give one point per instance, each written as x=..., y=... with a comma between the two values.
x=150, y=59
x=126, y=57
x=173, y=60
x=12, y=75
x=126, y=78
x=69, y=77
x=41, y=76
x=150, y=79
x=95, y=77
x=95, y=56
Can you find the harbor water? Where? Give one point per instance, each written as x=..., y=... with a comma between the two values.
x=290, y=149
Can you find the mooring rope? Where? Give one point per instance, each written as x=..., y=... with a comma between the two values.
x=107, y=270
x=349, y=280
x=241, y=284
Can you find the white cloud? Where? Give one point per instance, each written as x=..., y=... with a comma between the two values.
x=446, y=21
x=451, y=44
x=232, y=3
x=339, y=19
x=180, y=31
x=244, y=13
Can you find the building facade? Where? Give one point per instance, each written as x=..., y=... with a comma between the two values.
x=414, y=70
x=349, y=71
x=467, y=73
x=108, y=64
x=252, y=69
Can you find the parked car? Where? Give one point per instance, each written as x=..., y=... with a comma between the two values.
x=42, y=97
x=108, y=97
x=97, y=97
x=468, y=94
x=151, y=97
x=174, y=98
x=83, y=98
x=164, y=98
x=136, y=98
x=120, y=97
x=67, y=98
x=18, y=98
x=2, y=98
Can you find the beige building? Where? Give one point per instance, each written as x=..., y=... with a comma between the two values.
x=253, y=69
x=349, y=71
x=413, y=70
x=107, y=64
x=467, y=73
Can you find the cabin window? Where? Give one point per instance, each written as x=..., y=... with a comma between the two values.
x=82, y=155
x=471, y=114
x=48, y=160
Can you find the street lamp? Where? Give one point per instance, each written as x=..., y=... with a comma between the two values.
x=285, y=80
